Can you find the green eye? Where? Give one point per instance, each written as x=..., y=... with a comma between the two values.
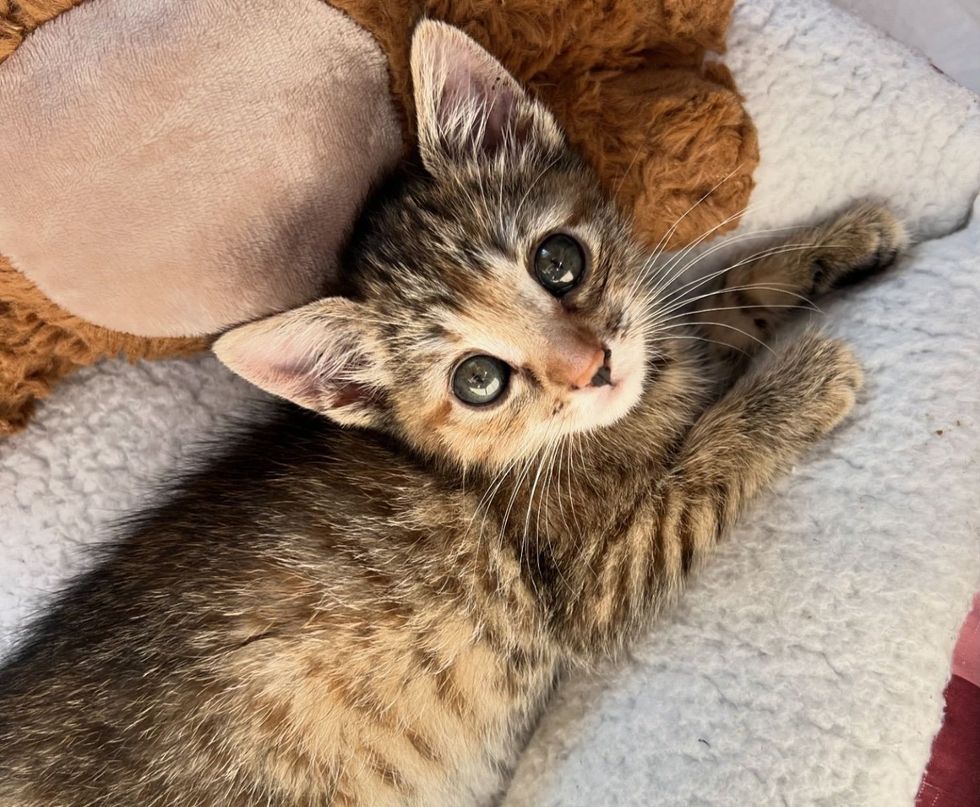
x=559, y=264
x=480, y=380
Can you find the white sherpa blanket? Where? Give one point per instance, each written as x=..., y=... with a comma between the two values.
x=806, y=665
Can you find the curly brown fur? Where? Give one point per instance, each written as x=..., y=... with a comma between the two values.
x=375, y=616
x=41, y=343
x=628, y=84
x=19, y=17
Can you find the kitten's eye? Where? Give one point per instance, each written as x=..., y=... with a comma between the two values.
x=480, y=380
x=559, y=263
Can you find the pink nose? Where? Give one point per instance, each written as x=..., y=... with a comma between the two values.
x=588, y=369
x=579, y=366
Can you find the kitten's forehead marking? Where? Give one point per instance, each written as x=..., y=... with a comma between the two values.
x=497, y=330
x=520, y=208
x=536, y=220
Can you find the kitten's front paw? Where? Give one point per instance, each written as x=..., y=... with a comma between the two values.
x=842, y=379
x=824, y=377
x=862, y=242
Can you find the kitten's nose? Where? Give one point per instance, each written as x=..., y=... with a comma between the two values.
x=590, y=369
x=603, y=376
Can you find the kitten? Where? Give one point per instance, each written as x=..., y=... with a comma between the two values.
x=540, y=454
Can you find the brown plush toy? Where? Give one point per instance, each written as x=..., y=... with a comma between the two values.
x=168, y=170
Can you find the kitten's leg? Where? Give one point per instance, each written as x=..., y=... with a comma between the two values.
x=760, y=427
x=754, y=299
x=773, y=413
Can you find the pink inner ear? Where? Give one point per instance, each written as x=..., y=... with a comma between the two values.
x=277, y=361
x=313, y=365
x=479, y=82
x=314, y=356
x=500, y=118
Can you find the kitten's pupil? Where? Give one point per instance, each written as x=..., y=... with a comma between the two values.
x=480, y=380
x=559, y=263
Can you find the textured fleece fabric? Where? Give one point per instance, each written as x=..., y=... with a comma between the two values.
x=807, y=663
x=162, y=162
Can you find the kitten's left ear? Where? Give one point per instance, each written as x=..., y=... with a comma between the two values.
x=467, y=103
x=322, y=356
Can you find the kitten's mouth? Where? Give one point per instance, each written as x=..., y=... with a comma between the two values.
x=611, y=393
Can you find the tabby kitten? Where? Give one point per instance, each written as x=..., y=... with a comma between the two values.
x=375, y=615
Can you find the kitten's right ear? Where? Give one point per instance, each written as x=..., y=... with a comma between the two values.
x=322, y=356
x=467, y=104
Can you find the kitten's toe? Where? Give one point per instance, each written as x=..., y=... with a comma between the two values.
x=859, y=244
x=829, y=377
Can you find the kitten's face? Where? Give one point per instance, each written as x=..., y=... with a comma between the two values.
x=494, y=299
x=513, y=320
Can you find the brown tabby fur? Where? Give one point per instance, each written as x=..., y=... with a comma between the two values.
x=365, y=617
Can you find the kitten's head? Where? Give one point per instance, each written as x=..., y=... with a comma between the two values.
x=492, y=302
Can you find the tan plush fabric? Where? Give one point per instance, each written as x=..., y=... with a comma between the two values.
x=40, y=343
x=174, y=169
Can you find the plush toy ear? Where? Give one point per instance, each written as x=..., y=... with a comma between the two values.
x=466, y=102
x=320, y=356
